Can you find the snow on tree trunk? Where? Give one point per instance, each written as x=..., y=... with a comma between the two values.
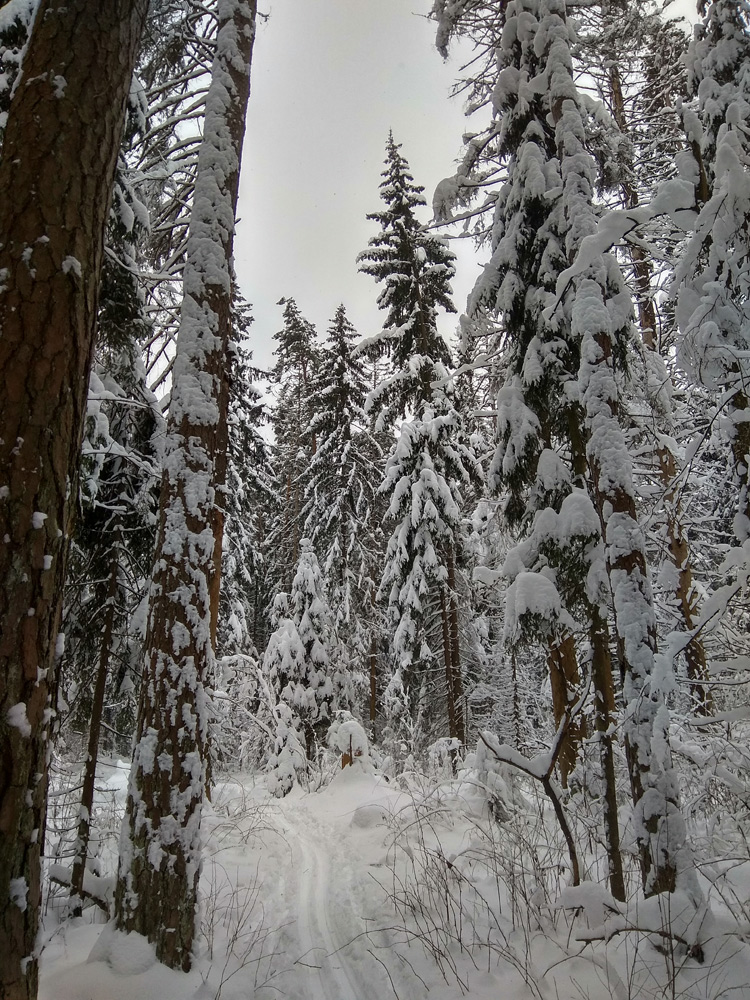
x=685, y=596
x=56, y=174
x=160, y=845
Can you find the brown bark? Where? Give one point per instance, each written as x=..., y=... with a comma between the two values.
x=604, y=710
x=56, y=175
x=92, y=756
x=565, y=682
x=158, y=879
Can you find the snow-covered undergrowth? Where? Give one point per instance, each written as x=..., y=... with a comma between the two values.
x=366, y=888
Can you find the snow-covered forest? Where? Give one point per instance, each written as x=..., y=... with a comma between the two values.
x=415, y=665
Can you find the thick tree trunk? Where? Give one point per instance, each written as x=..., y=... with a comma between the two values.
x=56, y=174
x=158, y=878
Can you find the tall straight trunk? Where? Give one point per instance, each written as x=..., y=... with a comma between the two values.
x=159, y=870
x=684, y=593
x=448, y=663
x=56, y=174
x=373, y=662
x=604, y=710
x=457, y=679
x=92, y=755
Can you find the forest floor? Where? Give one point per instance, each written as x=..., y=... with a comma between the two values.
x=368, y=890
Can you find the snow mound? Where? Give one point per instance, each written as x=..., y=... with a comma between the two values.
x=126, y=954
x=367, y=816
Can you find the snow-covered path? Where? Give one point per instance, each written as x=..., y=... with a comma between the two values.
x=330, y=927
x=311, y=933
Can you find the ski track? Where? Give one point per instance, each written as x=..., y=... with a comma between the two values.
x=321, y=943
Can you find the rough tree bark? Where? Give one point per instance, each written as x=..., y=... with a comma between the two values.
x=56, y=174
x=160, y=866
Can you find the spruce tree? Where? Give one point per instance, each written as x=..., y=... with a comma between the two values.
x=342, y=508
x=431, y=461
x=415, y=268
x=304, y=662
x=297, y=357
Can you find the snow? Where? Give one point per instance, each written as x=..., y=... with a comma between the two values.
x=297, y=900
x=19, y=891
x=71, y=265
x=16, y=716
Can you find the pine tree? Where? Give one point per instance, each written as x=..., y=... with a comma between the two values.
x=59, y=154
x=159, y=869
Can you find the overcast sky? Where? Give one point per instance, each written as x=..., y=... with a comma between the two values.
x=329, y=78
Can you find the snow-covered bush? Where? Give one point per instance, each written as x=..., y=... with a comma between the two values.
x=289, y=756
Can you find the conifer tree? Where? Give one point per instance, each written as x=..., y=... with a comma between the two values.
x=431, y=460
x=711, y=279
x=160, y=865
x=297, y=359
x=570, y=338
x=304, y=662
x=342, y=508
x=415, y=268
x=59, y=154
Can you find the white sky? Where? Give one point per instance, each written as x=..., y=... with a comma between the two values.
x=329, y=78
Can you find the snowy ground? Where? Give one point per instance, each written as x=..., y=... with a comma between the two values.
x=308, y=898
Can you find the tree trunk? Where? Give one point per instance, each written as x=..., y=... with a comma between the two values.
x=457, y=680
x=448, y=662
x=159, y=871
x=659, y=826
x=92, y=756
x=56, y=174
x=565, y=682
x=684, y=593
x=604, y=710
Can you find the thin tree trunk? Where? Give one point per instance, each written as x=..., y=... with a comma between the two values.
x=56, y=174
x=565, y=682
x=373, y=666
x=158, y=878
x=92, y=756
x=684, y=592
x=448, y=662
x=604, y=709
x=373, y=657
x=457, y=679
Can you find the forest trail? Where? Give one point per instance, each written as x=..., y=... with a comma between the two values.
x=330, y=925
